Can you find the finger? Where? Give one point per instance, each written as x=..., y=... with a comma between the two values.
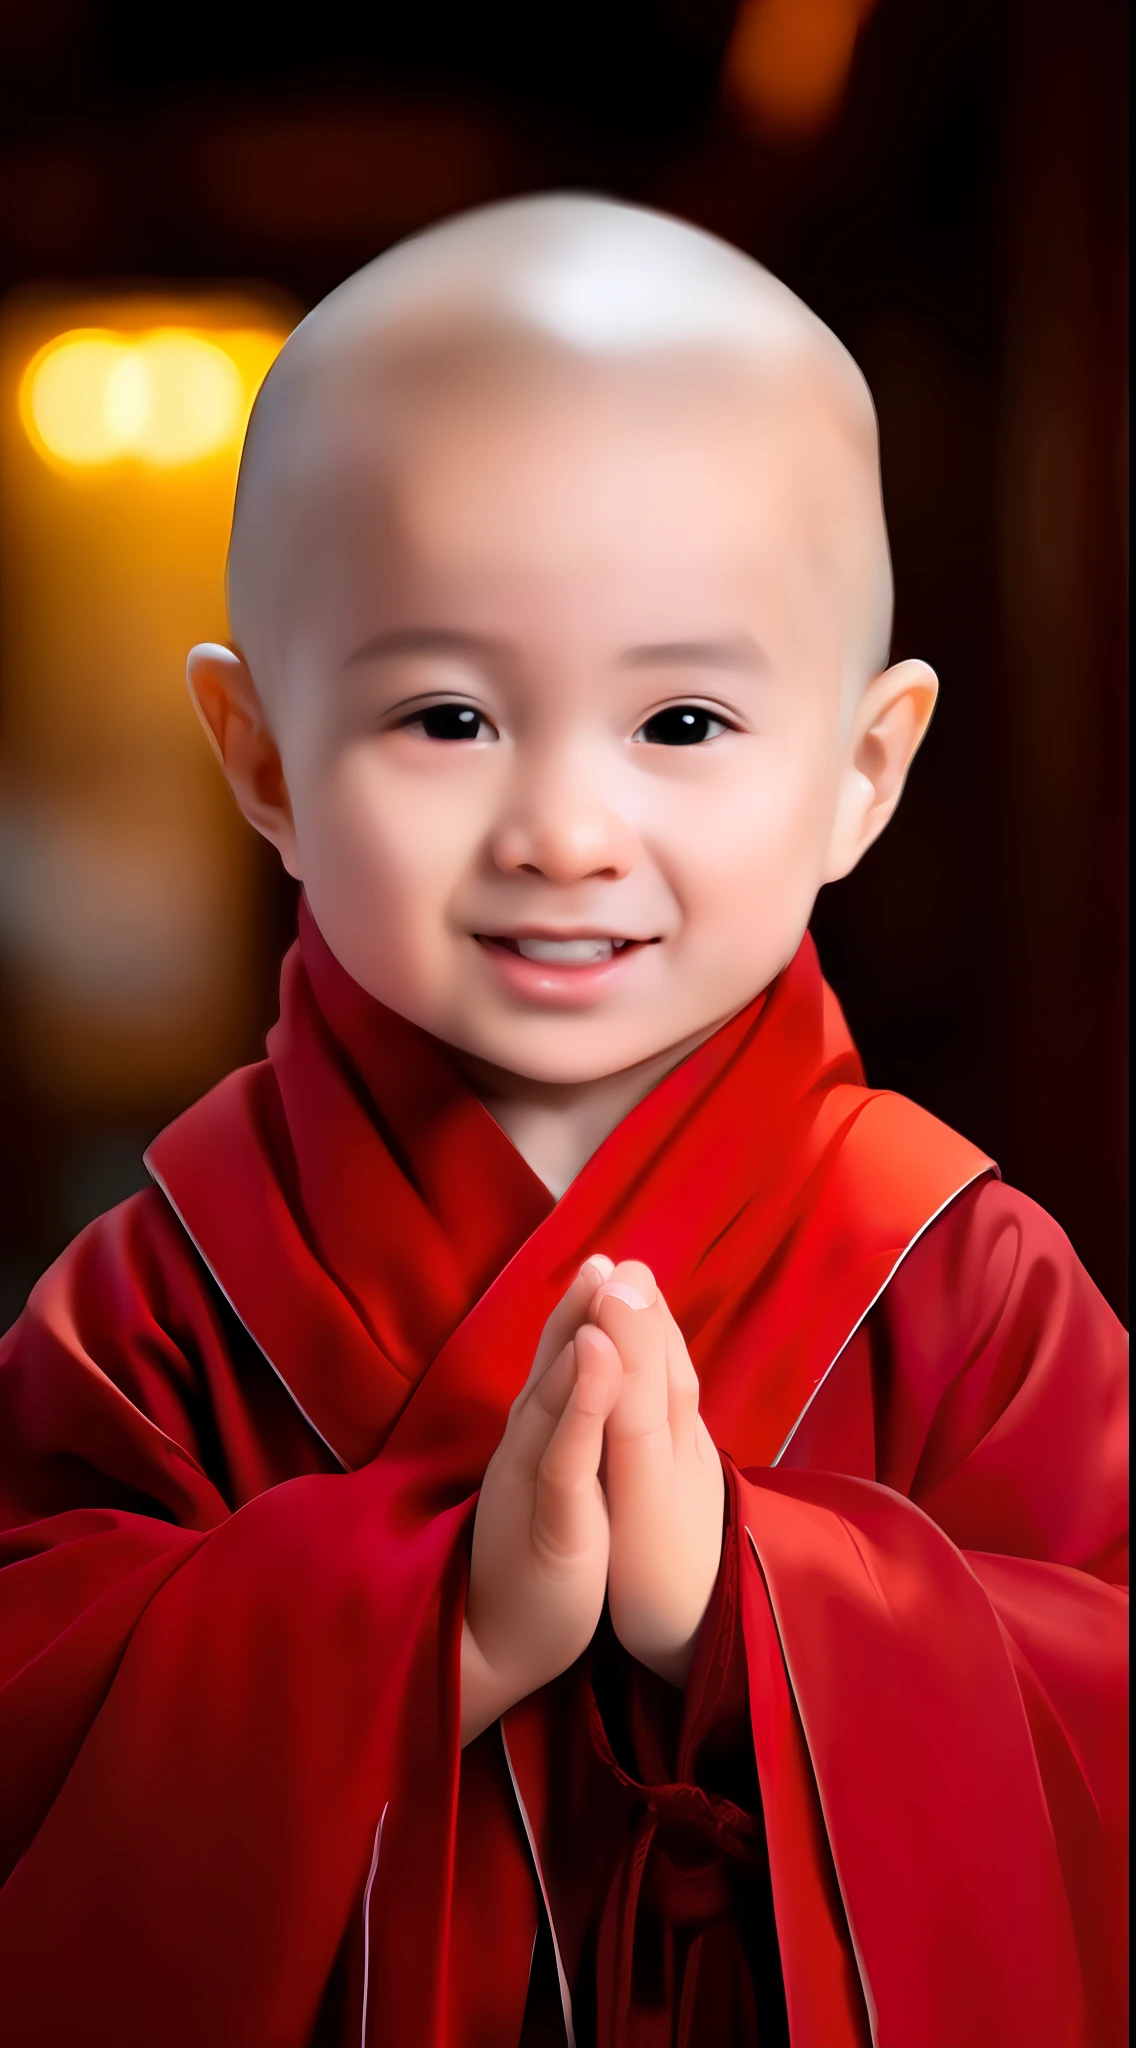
x=639, y=1335
x=569, y=1513
x=632, y=1282
x=534, y=1416
x=570, y=1311
x=682, y=1383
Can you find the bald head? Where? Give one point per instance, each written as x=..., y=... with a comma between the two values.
x=560, y=584
x=582, y=287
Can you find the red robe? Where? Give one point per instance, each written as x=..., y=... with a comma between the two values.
x=242, y=1425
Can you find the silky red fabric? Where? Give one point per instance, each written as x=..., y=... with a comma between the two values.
x=233, y=1808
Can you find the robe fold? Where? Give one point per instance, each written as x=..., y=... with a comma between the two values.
x=243, y=1422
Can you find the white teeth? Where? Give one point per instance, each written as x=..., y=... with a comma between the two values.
x=566, y=952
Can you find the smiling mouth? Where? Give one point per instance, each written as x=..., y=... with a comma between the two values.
x=588, y=951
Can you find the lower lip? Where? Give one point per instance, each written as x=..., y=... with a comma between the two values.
x=543, y=981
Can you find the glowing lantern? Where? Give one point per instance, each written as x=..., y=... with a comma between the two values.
x=172, y=396
x=127, y=878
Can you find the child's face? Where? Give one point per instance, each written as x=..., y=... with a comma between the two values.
x=566, y=670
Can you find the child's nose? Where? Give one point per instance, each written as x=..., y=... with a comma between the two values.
x=563, y=830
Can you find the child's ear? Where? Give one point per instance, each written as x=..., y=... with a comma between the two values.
x=891, y=719
x=226, y=701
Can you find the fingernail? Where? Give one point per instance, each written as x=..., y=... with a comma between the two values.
x=599, y=1264
x=622, y=1293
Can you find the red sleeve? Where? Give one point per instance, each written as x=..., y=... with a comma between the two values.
x=214, y=1684
x=938, y=1655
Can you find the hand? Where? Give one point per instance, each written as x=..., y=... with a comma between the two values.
x=538, y=1567
x=663, y=1480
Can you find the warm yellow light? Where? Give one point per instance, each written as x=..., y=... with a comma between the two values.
x=193, y=395
x=166, y=398
x=70, y=392
x=253, y=350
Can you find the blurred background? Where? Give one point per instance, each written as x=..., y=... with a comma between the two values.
x=943, y=180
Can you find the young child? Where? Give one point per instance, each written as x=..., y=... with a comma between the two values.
x=562, y=1515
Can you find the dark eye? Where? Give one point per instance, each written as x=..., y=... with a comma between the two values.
x=681, y=725
x=449, y=722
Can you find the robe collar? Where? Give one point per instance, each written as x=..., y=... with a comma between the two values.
x=395, y=1257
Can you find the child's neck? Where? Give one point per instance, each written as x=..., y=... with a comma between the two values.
x=557, y=1125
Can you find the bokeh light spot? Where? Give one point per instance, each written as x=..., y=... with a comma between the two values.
x=126, y=400
x=787, y=63
x=193, y=392
x=165, y=398
x=67, y=393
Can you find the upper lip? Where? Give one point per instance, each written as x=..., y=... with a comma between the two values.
x=543, y=931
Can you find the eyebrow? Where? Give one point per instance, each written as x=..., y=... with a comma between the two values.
x=741, y=654
x=428, y=640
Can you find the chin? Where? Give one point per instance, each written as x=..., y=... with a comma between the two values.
x=575, y=1058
